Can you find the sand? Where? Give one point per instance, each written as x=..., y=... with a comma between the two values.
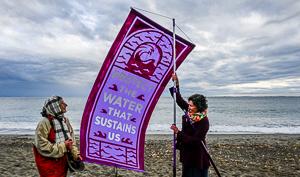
x=234, y=155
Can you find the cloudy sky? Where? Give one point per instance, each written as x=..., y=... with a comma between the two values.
x=242, y=47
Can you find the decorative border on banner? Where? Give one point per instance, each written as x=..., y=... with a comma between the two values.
x=108, y=65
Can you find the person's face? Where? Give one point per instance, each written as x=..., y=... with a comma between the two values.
x=63, y=106
x=192, y=108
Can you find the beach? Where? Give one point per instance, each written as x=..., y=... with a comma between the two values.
x=234, y=155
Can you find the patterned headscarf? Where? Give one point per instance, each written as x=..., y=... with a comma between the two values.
x=51, y=107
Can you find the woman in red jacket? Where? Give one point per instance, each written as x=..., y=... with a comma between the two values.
x=54, y=136
x=195, y=125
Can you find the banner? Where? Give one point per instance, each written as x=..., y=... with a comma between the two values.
x=128, y=86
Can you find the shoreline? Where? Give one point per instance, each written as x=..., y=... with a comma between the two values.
x=234, y=155
x=159, y=135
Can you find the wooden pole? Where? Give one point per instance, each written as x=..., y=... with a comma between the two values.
x=116, y=172
x=210, y=159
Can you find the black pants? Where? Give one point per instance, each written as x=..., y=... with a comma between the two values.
x=194, y=172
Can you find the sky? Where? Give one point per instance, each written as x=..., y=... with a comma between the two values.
x=243, y=48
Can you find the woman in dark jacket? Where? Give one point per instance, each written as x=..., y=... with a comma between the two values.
x=195, y=125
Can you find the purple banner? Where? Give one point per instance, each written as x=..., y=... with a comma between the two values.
x=129, y=84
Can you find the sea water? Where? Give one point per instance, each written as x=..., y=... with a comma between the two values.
x=234, y=115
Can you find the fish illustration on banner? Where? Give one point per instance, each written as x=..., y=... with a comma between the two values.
x=128, y=86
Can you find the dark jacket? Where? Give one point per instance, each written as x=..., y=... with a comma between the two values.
x=192, y=154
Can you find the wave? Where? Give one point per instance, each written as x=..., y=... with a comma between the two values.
x=28, y=128
x=255, y=129
x=231, y=129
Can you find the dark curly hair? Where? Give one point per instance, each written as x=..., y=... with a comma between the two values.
x=199, y=101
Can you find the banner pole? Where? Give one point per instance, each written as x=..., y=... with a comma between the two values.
x=174, y=107
x=116, y=172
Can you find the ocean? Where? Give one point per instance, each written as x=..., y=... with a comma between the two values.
x=227, y=115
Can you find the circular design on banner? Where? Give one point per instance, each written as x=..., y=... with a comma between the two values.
x=147, y=53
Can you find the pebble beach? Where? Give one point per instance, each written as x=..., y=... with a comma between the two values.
x=235, y=155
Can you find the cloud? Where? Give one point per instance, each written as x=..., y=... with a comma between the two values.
x=242, y=47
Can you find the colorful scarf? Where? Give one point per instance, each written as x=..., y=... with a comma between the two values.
x=196, y=117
